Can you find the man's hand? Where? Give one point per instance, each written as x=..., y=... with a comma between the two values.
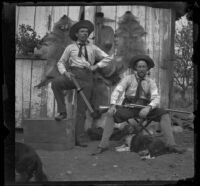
x=68, y=74
x=112, y=110
x=94, y=67
x=144, y=112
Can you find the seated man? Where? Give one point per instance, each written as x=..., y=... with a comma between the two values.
x=138, y=89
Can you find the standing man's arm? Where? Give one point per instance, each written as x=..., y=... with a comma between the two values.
x=103, y=58
x=117, y=93
x=62, y=63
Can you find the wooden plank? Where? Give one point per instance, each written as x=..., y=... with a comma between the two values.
x=18, y=93
x=139, y=12
x=49, y=134
x=149, y=35
x=89, y=15
x=26, y=73
x=74, y=12
x=50, y=102
x=26, y=15
x=156, y=43
x=42, y=19
x=165, y=36
x=59, y=11
x=36, y=94
x=109, y=12
x=44, y=92
x=172, y=51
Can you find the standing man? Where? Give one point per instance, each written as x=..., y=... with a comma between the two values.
x=138, y=89
x=78, y=60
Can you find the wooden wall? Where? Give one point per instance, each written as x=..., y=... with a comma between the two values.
x=158, y=23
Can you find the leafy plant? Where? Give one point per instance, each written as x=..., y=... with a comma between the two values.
x=26, y=40
x=183, y=67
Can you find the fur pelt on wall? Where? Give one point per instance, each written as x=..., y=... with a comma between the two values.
x=130, y=33
x=52, y=47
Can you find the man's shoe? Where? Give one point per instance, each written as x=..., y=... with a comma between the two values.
x=99, y=150
x=61, y=116
x=81, y=144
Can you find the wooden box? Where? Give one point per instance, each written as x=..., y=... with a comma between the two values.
x=48, y=134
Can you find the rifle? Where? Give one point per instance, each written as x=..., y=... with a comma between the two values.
x=142, y=106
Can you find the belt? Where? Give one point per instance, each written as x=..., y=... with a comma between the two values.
x=131, y=99
x=79, y=68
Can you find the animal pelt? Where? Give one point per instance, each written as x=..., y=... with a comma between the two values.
x=152, y=145
x=52, y=46
x=130, y=33
x=28, y=164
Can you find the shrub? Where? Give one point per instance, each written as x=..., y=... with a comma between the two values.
x=26, y=40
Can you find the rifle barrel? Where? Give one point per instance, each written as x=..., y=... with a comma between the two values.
x=142, y=106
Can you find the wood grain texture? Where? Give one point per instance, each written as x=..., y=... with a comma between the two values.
x=18, y=92
x=32, y=103
x=36, y=94
x=26, y=82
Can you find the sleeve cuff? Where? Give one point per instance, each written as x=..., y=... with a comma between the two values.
x=153, y=106
x=100, y=65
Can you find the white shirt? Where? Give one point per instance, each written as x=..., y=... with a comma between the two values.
x=128, y=86
x=70, y=57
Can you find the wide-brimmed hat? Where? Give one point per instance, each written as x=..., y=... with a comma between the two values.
x=81, y=24
x=145, y=58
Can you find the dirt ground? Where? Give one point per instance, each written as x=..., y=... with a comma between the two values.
x=78, y=165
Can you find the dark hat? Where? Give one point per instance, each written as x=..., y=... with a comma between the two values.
x=145, y=58
x=99, y=14
x=81, y=24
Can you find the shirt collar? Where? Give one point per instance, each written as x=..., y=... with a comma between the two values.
x=86, y=43
x=137, y=77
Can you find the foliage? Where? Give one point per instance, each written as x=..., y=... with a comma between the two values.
x=183, y=67
x=26, y=40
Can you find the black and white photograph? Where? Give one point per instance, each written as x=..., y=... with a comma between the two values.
x=104, y=92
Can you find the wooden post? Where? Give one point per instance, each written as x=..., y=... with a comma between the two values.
x=171, y=93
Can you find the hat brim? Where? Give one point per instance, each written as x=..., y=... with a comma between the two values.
x=145, y=58
x=81, y=24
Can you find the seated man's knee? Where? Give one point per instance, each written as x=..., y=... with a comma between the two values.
x=54, y=83
x=165, y=118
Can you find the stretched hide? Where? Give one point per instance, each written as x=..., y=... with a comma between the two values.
x=52, y=47
x=130, y=33
x=105, y=38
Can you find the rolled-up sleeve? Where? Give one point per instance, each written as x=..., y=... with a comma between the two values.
x=103, y=58
x=155, y=97
x=119, y=90
x=63, y=60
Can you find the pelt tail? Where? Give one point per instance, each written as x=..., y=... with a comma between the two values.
x=43, y=83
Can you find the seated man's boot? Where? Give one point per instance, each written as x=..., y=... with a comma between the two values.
x=99, y=150
x=61, y=116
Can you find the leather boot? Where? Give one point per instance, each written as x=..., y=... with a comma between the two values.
x=61, y=116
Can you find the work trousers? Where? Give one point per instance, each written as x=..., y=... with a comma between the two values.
x=123, y=114
x=61, y=83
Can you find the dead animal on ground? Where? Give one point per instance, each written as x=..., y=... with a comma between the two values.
x=148, y=145
x=28, y=164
